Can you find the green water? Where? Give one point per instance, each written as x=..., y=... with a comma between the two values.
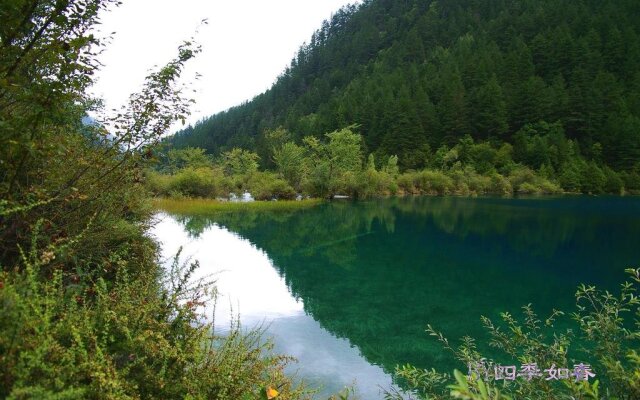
x=373, y=274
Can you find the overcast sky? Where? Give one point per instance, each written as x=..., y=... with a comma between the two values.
x=245, y=46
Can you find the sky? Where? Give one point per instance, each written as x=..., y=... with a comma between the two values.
x=245, y=45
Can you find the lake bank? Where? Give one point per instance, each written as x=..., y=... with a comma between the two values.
x=208, y=206
x=204, y=206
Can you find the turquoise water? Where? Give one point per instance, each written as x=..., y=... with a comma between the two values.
x=349, y=287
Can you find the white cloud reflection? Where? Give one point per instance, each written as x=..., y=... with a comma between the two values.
x=248, y=282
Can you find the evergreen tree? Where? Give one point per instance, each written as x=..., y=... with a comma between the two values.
x=431, y=72
x=452, y=108
x=489, y=110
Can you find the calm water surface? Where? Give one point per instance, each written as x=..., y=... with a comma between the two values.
x=348, y=287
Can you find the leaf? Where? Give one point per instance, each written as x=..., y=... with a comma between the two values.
x=483, y=389
x=272, y=393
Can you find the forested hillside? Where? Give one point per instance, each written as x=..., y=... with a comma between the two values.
x=417, y=75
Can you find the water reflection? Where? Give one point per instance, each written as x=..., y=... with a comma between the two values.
x=250, y=286
x=375, y=273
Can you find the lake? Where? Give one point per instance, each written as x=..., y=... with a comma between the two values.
x=348, y=288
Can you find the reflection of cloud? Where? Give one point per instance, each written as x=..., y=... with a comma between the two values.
x=325, y=359
x=246, y=281
x=248, y=284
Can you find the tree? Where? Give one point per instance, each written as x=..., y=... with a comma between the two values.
x=190, y=157
x=344, y=152
x=240, y=162
x=270, y=141
x=622, y=146
x=290, y=163
x=416, y=73
x=331, y=163
x=405, y=137
x=53, y=164
x=452, y=109
x=489, y=110
x=531, y=102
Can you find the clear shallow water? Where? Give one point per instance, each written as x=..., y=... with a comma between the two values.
x=348, y=288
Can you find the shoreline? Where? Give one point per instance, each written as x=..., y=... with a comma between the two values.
x=206, y=206
x=202, y=206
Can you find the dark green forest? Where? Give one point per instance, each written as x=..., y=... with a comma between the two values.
x=556, y=80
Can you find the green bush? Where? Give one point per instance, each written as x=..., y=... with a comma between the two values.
x=158, y=183
x=375, y=183
x=607, y=338
x=267, y=185
x=525, y=181
x=333, y=166
x=521, y=176
x=196, y=183
x=189, y=182
x=432, y=182
x=479, y=184
x=613, y=181
x=529, y=188
x=500, y=185
x=570, y=178
x=130, y=337
x=593, y=179
x=548, y=187
x=406, y=184
x=346, y=183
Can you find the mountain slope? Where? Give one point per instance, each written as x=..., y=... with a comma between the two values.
x=417, y=74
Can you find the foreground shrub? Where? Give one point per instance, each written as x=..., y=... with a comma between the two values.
x=132, y=337
x=86, y=311
x=607, y=338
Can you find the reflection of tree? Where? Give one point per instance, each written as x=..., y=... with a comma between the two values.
x=535, y=226
x=329, y=231
x=376, y=272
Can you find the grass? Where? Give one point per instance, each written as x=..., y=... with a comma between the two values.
x=208, y=206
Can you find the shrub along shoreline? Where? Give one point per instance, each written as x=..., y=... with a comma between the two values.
x=335, y=165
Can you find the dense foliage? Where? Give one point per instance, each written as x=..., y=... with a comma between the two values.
x=419, y=75
x=336, y=165
x=86, y=310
